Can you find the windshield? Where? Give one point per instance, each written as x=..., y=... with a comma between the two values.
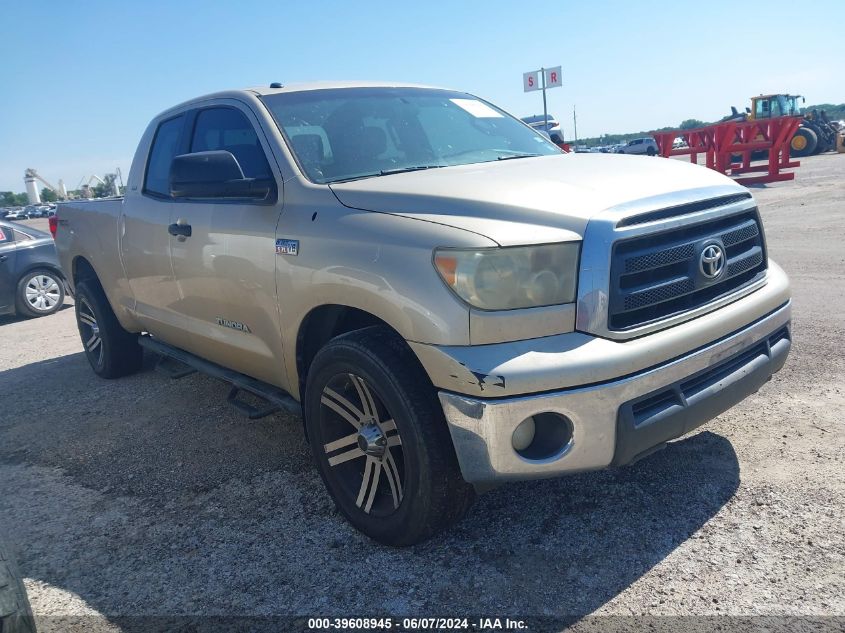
x=349, y=133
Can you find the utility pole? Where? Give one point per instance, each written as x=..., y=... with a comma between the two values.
x=574, y=123
x=545, y=110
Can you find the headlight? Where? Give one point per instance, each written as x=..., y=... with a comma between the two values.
x=510, y=278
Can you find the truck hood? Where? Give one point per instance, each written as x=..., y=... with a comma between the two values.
x=529, y=200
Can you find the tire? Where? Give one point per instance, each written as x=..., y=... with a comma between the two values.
x=15, y=610
x=112, y=351
x=407, y=486
x=803, y=142
x=40, y=292
x=651, y=151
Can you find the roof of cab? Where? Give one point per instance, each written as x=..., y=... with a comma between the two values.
x=261, y=91
x=329, y=85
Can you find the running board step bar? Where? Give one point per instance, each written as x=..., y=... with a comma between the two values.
x=173, y=368
x=277, y=399
x=251, y=412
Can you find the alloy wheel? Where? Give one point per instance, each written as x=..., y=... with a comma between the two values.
x=369, y=460
x=91, y=338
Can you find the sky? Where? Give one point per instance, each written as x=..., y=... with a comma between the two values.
x=79, y=81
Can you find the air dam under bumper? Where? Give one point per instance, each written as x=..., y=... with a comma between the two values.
x=615, y=422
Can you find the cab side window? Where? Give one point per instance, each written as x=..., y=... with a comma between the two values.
x=229, y=130
x=164, y=148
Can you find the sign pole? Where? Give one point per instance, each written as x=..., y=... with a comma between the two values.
x=553, y=80
x=545, y=110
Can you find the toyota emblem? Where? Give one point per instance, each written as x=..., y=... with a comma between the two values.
x=712, y=261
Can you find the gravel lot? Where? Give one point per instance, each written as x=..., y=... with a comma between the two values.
x=148, y=496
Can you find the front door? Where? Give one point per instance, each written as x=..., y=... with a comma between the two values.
x=145, y=241
x=225, y=270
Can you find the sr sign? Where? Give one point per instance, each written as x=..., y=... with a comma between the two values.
x=533, y=80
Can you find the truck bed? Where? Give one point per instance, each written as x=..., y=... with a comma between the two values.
x=95, y=232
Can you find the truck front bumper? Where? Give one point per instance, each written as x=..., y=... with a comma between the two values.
x=616, y=421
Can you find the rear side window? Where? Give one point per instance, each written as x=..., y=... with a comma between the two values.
x=229, y=130
x=5, y=235
x=165, y=146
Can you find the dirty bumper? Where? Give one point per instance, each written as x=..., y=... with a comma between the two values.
x=614, y=422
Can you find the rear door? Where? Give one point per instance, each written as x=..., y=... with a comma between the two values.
x=145, y=241
x=225, y=271
x=8, y=280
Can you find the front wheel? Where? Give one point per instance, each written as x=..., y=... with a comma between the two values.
x=380, y=440
x=803, y=143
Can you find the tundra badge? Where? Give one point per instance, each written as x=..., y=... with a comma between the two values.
x=235, y=325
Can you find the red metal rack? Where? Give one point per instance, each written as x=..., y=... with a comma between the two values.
x=722, y=143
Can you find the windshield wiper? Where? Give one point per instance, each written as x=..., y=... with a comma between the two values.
x=402, y=170
x=384, y=172
x=511, y=157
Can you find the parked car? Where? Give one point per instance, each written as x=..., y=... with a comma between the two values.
x=37, y=211
x=31, y=281
x=450, y=300
x=639, y=146
x=547, y=126
x=541, y=123
x=18, y=214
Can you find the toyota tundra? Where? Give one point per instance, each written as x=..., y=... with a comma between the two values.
x=450, y=300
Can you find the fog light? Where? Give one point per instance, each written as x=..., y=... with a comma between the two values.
x=523, y=435
x=543, y=436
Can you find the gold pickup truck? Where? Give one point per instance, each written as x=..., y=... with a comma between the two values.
x=449, y=300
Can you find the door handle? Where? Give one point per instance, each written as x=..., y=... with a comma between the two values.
x=180, y=229
x=3, y=258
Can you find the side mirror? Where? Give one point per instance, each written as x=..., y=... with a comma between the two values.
x=215, y=174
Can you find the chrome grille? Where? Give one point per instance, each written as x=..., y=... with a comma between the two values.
x=656, y=276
